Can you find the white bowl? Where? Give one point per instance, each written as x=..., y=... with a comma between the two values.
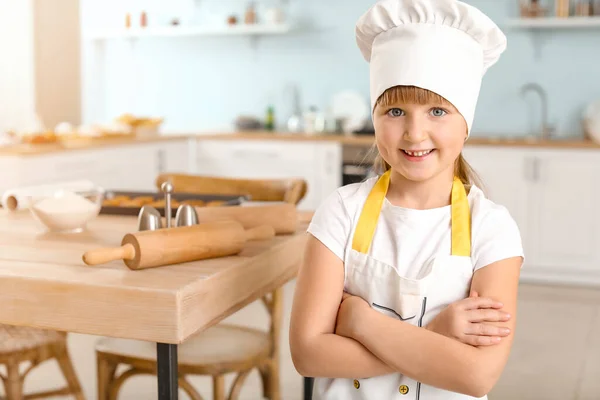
x=66, y=211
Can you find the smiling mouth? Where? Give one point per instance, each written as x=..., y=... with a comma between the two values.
x=419, y=153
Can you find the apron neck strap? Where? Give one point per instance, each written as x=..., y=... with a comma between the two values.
x=460, y=224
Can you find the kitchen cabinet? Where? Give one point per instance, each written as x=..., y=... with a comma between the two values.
x=505, y=180
x=551, y=194
x=319, y=163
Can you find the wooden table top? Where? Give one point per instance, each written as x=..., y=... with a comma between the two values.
x=45, y=284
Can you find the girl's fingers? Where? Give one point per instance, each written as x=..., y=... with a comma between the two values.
x=489, y=315
x=487, y=330
x=475, y=340
x=473, y=303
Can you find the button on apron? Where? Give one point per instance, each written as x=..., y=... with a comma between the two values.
x=356, y=383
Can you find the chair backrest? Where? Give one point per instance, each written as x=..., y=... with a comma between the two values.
x=290, y=190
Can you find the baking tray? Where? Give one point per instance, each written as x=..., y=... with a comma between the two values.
x=159, y=196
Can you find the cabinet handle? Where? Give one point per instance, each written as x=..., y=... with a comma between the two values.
x=536, y=169
x=527, y=169
x=532, y=169
x=160, y=161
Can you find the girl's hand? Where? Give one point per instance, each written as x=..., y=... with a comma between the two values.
x=349, y=314
x=466, y=320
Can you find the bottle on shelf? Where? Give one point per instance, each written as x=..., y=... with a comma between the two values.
x=250, y=16
x=562, y=8
x=270, y=120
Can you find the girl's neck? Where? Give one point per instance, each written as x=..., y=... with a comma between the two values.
x=432, y=193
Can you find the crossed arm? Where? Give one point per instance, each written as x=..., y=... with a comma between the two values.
x=373, y=344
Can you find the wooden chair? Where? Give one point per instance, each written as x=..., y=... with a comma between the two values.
x=223, y=348
x=23, y=344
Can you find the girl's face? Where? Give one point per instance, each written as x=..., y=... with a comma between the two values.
x=419, y=141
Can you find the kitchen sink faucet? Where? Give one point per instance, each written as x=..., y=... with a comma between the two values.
x=546, y=128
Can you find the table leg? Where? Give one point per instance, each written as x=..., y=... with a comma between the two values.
x=166, y=365
x=308, y=388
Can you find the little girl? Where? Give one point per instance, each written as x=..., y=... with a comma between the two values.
x=409, y=284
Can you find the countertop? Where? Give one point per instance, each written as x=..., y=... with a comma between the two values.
x=45, y=283
x=84, y=144
x=368, y=140
x=354, y=140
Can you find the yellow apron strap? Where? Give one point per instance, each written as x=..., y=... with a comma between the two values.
x=461, y=217
x=367, y=222
x=461, y=220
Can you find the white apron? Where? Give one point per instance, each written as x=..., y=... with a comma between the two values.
x=443, y=280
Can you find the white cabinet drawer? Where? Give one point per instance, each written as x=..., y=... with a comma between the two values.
x=319, y=163
x=244, y=151
x=255, y=159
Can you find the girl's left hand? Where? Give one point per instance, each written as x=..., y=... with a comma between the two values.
x=350, y=314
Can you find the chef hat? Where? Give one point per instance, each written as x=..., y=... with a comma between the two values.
x=444, y=46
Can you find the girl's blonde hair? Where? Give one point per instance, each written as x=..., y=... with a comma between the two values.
x=416, y=95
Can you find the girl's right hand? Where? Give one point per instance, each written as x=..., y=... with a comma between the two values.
x=469, y=321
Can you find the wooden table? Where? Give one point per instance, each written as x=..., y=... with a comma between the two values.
x=45, y=284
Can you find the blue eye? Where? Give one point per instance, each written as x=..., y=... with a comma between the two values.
x=395, y=112
x=438, y=112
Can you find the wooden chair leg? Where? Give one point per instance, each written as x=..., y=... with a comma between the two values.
x=218, y=387
x=189, y=389
x=236, y=388
x=270, y=379
x=105, y=371
x=66, y=366
x=13, y=383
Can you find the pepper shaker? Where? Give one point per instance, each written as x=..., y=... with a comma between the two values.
x=167, y=188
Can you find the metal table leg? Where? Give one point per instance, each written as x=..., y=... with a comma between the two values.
x=166, y=364
x=308, y=388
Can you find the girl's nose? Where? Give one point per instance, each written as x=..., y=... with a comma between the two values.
x=415, y=130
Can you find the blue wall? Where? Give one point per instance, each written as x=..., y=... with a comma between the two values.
x=202, y=84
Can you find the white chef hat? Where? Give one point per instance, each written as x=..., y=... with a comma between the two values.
x=444, y=46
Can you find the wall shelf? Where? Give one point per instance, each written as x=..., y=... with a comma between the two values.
x=187, y=31
x=555, y=22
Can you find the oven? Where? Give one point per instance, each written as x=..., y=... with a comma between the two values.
x=357, y=163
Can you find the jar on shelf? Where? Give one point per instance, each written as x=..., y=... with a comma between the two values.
x=584, y=8
x=531, y=9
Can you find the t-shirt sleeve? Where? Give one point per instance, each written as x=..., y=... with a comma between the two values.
x=498, y=237
x=331, y=224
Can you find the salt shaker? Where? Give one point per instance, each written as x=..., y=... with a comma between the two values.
x=186, y=216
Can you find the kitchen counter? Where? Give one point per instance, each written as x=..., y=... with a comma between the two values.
x=84, y=144
x=353, y=140
x=368, y=140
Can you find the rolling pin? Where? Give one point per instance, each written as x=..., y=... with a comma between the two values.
x=282, y=217
x=148, y=249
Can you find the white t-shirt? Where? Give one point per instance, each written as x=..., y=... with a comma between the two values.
x=407, y=238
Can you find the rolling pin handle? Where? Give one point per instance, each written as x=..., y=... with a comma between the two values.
x=103, y=256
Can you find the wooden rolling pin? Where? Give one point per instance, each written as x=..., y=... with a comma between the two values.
x=282, y=217
x=148, y=249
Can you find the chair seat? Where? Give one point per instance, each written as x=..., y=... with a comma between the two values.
x=221, y=344
x=18, y=338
